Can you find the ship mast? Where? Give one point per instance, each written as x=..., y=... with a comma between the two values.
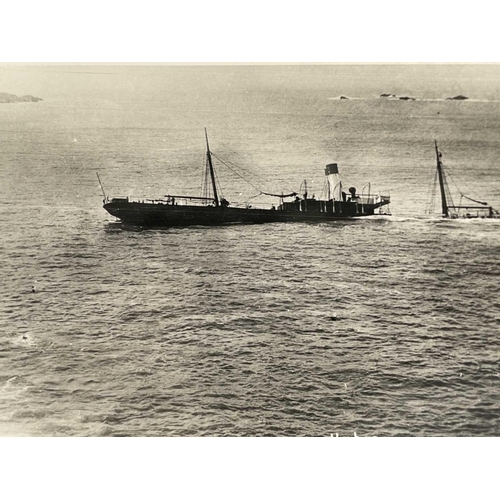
x=444, y=204
x=212, y=174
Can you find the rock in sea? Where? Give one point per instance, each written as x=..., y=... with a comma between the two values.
x=457, y=98
x=10, y=98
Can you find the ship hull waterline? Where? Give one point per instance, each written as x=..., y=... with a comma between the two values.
x=167, y=215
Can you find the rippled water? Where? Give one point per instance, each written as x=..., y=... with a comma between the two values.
x=384, y=327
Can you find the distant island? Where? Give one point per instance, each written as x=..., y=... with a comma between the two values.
x=395, y=97
x=457, y=98
x=401, y=98
x=9, y=98
x=408, y=98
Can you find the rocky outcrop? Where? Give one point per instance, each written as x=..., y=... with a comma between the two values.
x=9, y=98
x=401, y=98
x=457, y=98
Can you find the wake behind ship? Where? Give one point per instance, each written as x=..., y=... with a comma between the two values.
x=211, y=209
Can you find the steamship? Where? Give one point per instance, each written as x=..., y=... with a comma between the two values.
x=213, y=209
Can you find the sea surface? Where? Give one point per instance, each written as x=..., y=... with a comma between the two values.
x=387, y=326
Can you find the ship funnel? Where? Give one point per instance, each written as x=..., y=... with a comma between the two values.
x=334, y=186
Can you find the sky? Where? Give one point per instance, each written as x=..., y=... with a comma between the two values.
x=195, y=31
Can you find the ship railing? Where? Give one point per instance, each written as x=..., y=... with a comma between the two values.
x=471, y=211
x=381, y=199
x=366, y=200
x=253, y=205
x=372, y=199
x=170, y=200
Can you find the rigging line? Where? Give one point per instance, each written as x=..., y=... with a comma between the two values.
x=207, y=185
x=255, y=196
x=447, y=186
x=204, y=180
x=242, y=157
x=232, y=151
x=475, y=201
x=219, y=187
x=431, y=203
x=241, y=168
x=433, y=170
x=462, y=194
x=279, y=195
x=244, y=168
x=251, y=184
x=431, y=197
x=234, y=171
x=460, y=179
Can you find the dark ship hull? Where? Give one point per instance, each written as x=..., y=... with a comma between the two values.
x=166, y=215
x=211, y=209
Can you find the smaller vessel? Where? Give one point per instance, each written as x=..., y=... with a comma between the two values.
x=473, y=209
